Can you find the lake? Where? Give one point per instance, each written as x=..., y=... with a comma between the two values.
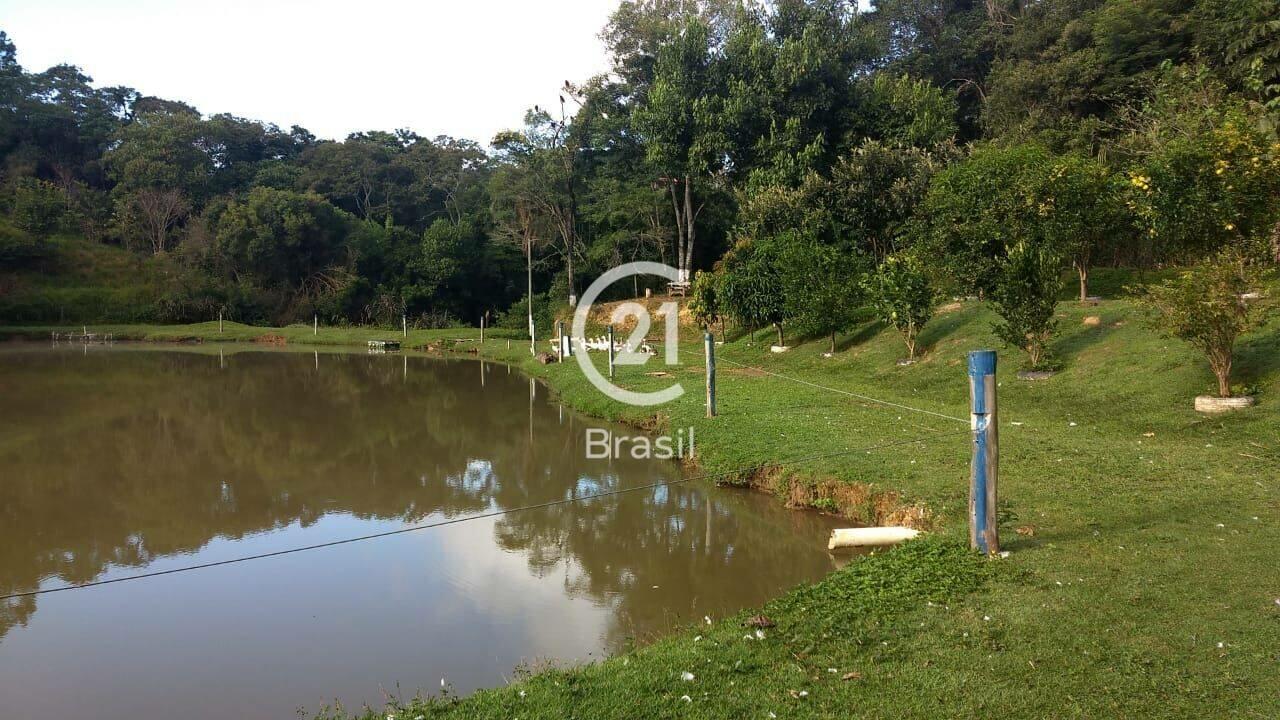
x=127, y=459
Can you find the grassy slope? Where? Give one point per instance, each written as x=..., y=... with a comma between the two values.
x=84, y=280
x=1155, y=529
x=1148, y=589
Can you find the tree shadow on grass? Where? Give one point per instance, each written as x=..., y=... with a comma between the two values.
x=939, y=328
x=1068, y=347
x=1257, y=358
x=863, y=333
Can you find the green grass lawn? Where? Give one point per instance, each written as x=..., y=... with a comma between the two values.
x=1145, y=581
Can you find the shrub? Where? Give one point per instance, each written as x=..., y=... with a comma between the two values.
x=19, y=248
x=38, y=206
x=1025, y=296
x=1206, y=306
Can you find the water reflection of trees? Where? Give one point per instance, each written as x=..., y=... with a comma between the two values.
x=116, y=459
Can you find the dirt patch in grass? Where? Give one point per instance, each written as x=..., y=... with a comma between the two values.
x=602, y=313
x=271, y=339
x=862, y=502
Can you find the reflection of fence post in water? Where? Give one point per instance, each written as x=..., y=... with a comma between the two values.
x=984, y=468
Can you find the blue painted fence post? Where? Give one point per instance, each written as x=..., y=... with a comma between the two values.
x=709, y=348
x=984, y=469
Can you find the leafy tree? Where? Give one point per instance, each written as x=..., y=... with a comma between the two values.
x=160, y=172
x=1078, y=210
x=752, y=286
x=1000, y=197
x=631, y=222
x=907, y=112
x=819, y=267
x=1207, y=306
x=90, y=208
x=1069, y=65
x=821, y=285
x=875, y=190
x=681, y=125
x=1025, y=295
x=789, y=76
x=161, y=151
x=357, y=175
x=19, y=248
x=950, y=43
x=704, y=301
x=900, y=291
x=514, y=193
x=38, y=206
x=539, y=158
x=449, y=177
x=1245, y=37
x=284, y=238
x=977, y=208
x=443, y=266
x=1208, y=182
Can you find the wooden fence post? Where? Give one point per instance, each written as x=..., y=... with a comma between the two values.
x=709, y=345
x=984, y=470
x=610, y=352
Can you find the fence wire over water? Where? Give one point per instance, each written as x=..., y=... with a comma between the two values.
x=857, y=425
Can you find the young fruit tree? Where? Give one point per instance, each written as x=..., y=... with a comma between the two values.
x=821, y=285
x=1025, y=293
x=902, y=296
x=1208, y=306
x=1078, y=208
x=752, y=286
x=704, y=302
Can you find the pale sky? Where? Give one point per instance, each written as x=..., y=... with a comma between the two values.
x=466, y=68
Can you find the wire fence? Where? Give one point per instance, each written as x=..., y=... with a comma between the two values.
x=469, y=518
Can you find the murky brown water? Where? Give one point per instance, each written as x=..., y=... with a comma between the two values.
x=121, y=460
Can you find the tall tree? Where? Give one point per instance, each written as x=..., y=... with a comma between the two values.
x=681, y=124
x=545, y=179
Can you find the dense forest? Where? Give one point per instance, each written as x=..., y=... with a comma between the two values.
x=814, y=160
